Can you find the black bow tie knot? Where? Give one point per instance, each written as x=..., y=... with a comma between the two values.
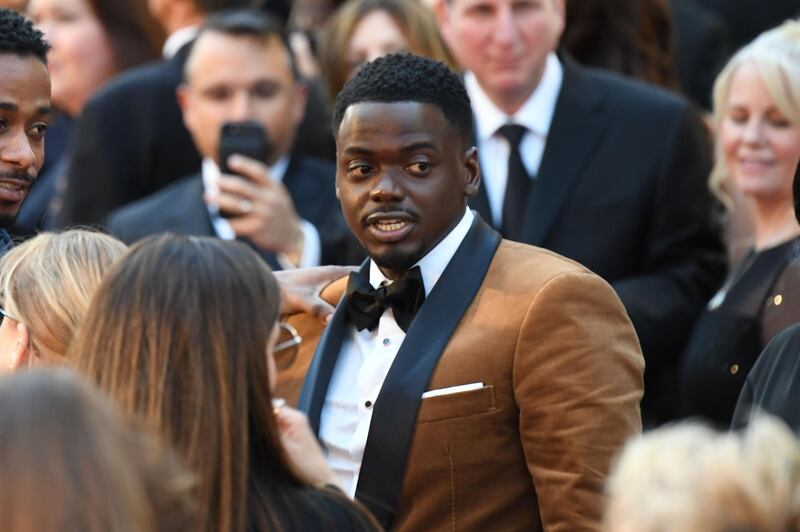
x=366, y=305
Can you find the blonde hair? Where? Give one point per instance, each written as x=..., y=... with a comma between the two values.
x=690, y=478
x=776, y=55
x=48, y=281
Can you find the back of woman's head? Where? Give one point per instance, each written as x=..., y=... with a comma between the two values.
x=414, y=20
x=48, y=282
x=69, y=462
x=776, y=56
x=689, y=478
x=177, y=335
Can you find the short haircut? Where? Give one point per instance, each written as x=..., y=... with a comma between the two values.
x=19, y=37
x=251, y=23
x=408, y=78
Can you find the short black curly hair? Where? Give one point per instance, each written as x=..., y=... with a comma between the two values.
x=18, y=36
x=408, y=78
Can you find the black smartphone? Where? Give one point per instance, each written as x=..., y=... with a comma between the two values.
x=243, y=138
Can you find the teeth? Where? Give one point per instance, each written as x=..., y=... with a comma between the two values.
x=390, y=225
x=9, y=186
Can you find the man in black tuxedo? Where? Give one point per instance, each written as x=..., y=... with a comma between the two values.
x=130, y=140
x=24, y=113
x=607, y=171
x=240, y=68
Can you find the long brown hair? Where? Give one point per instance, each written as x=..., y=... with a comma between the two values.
x=135, y=36
x=69, y=462
x=416, y=22
x=177, y=334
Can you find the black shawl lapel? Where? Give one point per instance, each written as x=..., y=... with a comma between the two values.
x=573, y=136
x=318, y=377
x=395, y=411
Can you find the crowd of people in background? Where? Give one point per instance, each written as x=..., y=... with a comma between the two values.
x=465, y=264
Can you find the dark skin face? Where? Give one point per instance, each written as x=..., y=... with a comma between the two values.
x=403, y=176
x=24, y=115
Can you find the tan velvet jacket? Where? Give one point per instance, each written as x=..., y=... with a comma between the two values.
x=562, y=373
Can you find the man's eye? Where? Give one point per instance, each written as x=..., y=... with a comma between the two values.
x=39, y=129
x=359, y=171
x=3, y=123
x=420, y=167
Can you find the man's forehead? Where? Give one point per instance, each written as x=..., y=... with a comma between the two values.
x=405, y=122
x=24, y=83
x=213, y=51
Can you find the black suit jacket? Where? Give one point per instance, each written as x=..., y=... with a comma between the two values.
x=703, y=48
x=130, y=141
x=180, y=209
x=746, y=19
x=622, y=189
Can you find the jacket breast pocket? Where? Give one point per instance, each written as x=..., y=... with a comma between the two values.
x=457, y=405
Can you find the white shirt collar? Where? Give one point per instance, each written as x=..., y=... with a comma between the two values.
x=536, y=113
x=436, y=260
x=178, y=40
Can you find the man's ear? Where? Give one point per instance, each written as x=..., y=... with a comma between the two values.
x=22, y=348
x=472, y=172
x=300, y=102
x=184, y=102
x=440, y=8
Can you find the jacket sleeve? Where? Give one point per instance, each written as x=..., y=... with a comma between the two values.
x=578, y=390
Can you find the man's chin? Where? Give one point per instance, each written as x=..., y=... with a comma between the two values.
x=395, y=259
x=8, y=215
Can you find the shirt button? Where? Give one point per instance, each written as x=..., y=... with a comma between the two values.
x=778, y=300
x=368, y=404
x=734, y=369
x=386, y=341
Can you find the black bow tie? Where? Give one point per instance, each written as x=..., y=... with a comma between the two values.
x=365, y=305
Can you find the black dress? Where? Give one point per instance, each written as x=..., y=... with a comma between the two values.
x=752, y=306
x=774, y=384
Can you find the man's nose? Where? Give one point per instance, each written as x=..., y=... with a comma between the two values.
x=505, y=27
x=17, y=150
x=387, y=189
x=241, y=107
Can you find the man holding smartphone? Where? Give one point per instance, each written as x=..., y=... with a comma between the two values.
x=240, y=71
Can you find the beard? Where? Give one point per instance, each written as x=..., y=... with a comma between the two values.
x=9, y=211
x=398, y=260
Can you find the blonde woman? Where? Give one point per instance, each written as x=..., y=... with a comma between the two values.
x=757, y=113
x=46, y=285
x=689, y=478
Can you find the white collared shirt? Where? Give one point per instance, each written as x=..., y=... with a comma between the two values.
x=178, y=40
x=363, y=364
x=536, y=114
x=312, y=248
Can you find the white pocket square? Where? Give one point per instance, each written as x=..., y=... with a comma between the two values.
x=453, y=389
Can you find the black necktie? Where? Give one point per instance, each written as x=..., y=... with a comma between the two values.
x=365, y=305
x=517, y=186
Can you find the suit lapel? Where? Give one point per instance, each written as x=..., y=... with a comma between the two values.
x=318, y=377
x=187, y=213
x=395, y=411
x=573, y=136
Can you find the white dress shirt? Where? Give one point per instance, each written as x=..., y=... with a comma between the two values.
x=536, y=114
x=362, y=367
x=312, y=248
x=178, y=40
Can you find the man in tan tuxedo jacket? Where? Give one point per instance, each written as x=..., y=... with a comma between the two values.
x=464, y=382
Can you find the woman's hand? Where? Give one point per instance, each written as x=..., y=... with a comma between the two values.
x=302, y=447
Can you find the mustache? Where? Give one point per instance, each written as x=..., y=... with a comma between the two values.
x=18, y=175
x=403, y=212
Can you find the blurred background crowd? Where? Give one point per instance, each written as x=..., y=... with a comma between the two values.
x=668, y=148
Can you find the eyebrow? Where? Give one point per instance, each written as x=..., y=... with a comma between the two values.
x=41, y=110
x=414, y=146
